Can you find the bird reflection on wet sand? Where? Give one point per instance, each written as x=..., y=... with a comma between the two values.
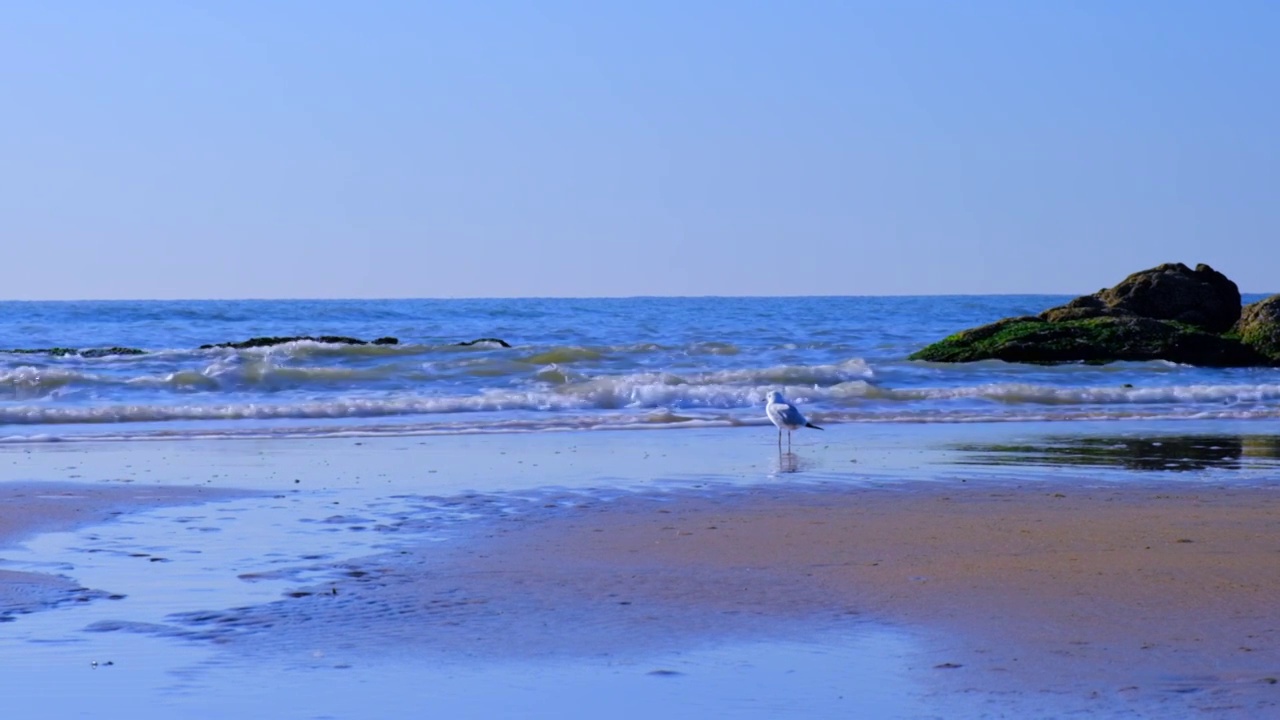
x=789, y=462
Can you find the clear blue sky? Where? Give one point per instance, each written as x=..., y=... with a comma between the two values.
x=493, y=149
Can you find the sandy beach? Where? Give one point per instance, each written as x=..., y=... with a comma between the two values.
x=1032, y=597
x=1147, y=598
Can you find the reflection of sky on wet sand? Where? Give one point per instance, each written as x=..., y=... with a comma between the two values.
x=263, y=553
x=335, y=501
x=1174, y=453
x=857, y=676
x=251, y=557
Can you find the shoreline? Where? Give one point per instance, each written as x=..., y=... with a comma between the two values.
x=33, y=507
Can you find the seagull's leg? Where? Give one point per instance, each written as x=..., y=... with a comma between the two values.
x=779, y=441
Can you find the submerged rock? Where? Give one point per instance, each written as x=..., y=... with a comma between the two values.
x=89, y=353
x=104, y=352
x=485, y=341
x=269, y=341
x=250, y=342
x=1169, y=312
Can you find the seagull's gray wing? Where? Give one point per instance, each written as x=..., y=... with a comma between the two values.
x=788, y=414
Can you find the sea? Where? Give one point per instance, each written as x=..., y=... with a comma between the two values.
x=571, y=364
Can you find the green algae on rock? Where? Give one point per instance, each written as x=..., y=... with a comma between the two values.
x=1169, y=312
x=1091, y=340
x=1259, y=327
x=1202, y=297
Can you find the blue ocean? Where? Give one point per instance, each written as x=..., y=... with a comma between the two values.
x=572, y=364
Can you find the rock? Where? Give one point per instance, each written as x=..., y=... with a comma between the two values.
x=979, y=343
x=89, y=353
x=54, y=351
x=1083, y=308
x=1169, y=313
x=337, y=340
x=269, y=341
x=1202, y=297
x=386, y=341
x=486, y=341
x=104, y=352
x=1092, y=340
x=1259, y=327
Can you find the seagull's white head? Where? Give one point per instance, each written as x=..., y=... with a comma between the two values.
x=773, y=397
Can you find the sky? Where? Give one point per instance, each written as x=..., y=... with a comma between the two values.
x=509, y=149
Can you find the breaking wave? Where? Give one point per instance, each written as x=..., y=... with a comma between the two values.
x=239, y=371
x=704, y=398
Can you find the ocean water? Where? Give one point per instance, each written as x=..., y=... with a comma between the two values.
x=574, y=364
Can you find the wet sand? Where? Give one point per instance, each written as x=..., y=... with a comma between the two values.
x=28, y=508
x=1079, y=598
x=1132, y=595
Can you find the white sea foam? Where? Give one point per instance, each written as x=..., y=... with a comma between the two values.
x=632, y=395
x=265, y=371
x=1014, y=393
x=34, y=378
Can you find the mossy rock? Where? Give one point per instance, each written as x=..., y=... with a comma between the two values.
x=1092, y=340
x=1202, y=297
x=1259, y=327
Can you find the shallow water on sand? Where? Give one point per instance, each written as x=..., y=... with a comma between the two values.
x=204, y=628
x=174, y=565
x=153, y=678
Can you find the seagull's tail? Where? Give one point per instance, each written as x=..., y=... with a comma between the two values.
x=811, y=425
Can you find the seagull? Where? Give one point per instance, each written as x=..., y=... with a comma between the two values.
x=785, y=415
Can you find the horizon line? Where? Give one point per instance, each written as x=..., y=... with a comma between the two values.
x=550, y=297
